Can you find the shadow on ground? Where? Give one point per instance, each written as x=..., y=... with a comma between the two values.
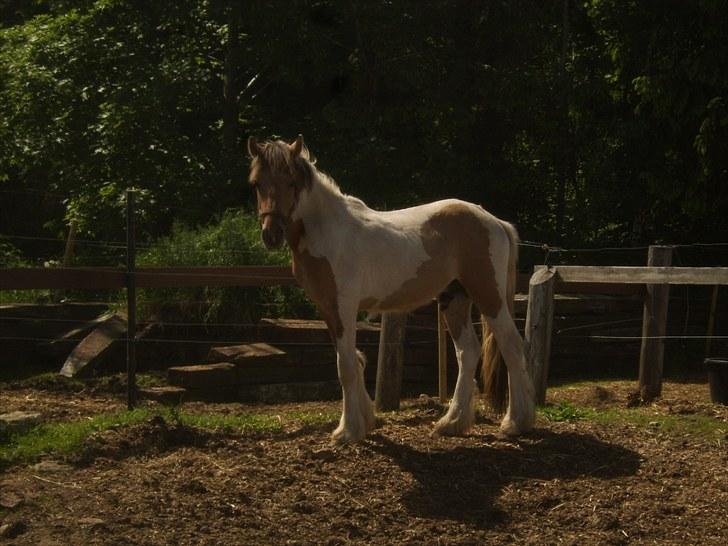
x=461, y=483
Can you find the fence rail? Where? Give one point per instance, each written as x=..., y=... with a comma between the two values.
x=641, y=275
x=146, y=277
x=656, y=277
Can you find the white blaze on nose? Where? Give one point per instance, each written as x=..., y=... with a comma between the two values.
x=267, y=222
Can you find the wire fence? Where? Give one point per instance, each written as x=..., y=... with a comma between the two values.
x=551, y=254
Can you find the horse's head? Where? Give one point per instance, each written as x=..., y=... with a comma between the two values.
x=278, y=173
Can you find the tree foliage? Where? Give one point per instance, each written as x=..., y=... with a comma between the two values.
x=597, y=122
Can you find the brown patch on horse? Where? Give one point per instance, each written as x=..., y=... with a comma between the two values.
x=367, y=303
x=294, y=234
x=455, y=303
x=455, y=235
x=317, y=279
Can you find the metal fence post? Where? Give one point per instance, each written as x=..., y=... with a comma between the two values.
x=130, y=300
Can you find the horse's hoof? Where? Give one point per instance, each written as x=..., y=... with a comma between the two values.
x=509, y=427
x=341, y=437
x=452, y=427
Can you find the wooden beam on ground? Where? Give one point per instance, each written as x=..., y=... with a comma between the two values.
x=539, y=325
x=654, y=324
x=390, y=362
x=641, y=275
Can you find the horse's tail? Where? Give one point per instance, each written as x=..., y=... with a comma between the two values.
x=495, y=373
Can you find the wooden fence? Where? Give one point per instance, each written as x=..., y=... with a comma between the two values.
x=656, y=277
x=652, y=280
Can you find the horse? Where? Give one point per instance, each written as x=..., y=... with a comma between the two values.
x=350, y=258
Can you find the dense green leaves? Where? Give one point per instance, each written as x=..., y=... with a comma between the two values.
x=588, y=123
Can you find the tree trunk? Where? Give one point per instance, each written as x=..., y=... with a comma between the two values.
x=231, y=92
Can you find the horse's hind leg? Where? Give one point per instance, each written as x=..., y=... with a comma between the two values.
x=460, y=415
x=521, y=413
x=491, y=298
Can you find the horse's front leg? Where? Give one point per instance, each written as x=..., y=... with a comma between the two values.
x=357, y=416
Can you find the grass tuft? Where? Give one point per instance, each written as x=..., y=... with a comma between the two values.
x=67, y=439
x=565, y=412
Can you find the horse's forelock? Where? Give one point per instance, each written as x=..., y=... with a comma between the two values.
x=277, y=157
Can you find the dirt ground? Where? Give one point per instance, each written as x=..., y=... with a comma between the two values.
x=580, y=482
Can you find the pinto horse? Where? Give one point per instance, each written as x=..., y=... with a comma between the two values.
x=350, y=258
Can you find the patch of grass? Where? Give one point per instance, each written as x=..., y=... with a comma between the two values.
x=62, y=438
x=565, y=411
x=67, y=438
x=231, y=423
x=674, y=424
x=317, y=419
x=690, y=424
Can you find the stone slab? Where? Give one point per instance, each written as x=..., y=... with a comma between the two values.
x=18, y=421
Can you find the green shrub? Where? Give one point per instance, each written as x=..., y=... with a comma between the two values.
x=10, y=256
x=233, y=240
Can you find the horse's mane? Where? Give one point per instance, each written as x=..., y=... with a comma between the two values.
x=275, y=154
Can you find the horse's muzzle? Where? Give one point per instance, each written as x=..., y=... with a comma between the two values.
x=272, y=231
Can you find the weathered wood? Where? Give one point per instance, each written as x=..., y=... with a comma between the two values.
x=204, y=377
x=390, y=362
x=654, y=322
x=161, y=277
x=441, y=354
x=711, y=320
x=571, y=278
x=641, y=275
x=96, y=346
x=539, y=325
x=26, y=278
x=247, y=354
x=95, y=278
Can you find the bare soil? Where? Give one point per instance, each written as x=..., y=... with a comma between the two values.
x=578, y=482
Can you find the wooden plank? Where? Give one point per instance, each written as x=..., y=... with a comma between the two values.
x=165, y=277
x=641, y=275
x=16, y=278
x=539, y=325
x=96, y=278
x=390, y=362
x=654, y=325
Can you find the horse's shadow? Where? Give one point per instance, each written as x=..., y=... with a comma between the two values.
x=462, y=483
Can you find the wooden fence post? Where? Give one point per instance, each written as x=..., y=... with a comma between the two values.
x=390, y=362
x=441, y=354
x=130, y=300
x=654, y=323
x=539, y=324
x=711, y=321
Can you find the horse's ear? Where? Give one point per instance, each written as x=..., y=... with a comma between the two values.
x=254, y=149
x=296, y=146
